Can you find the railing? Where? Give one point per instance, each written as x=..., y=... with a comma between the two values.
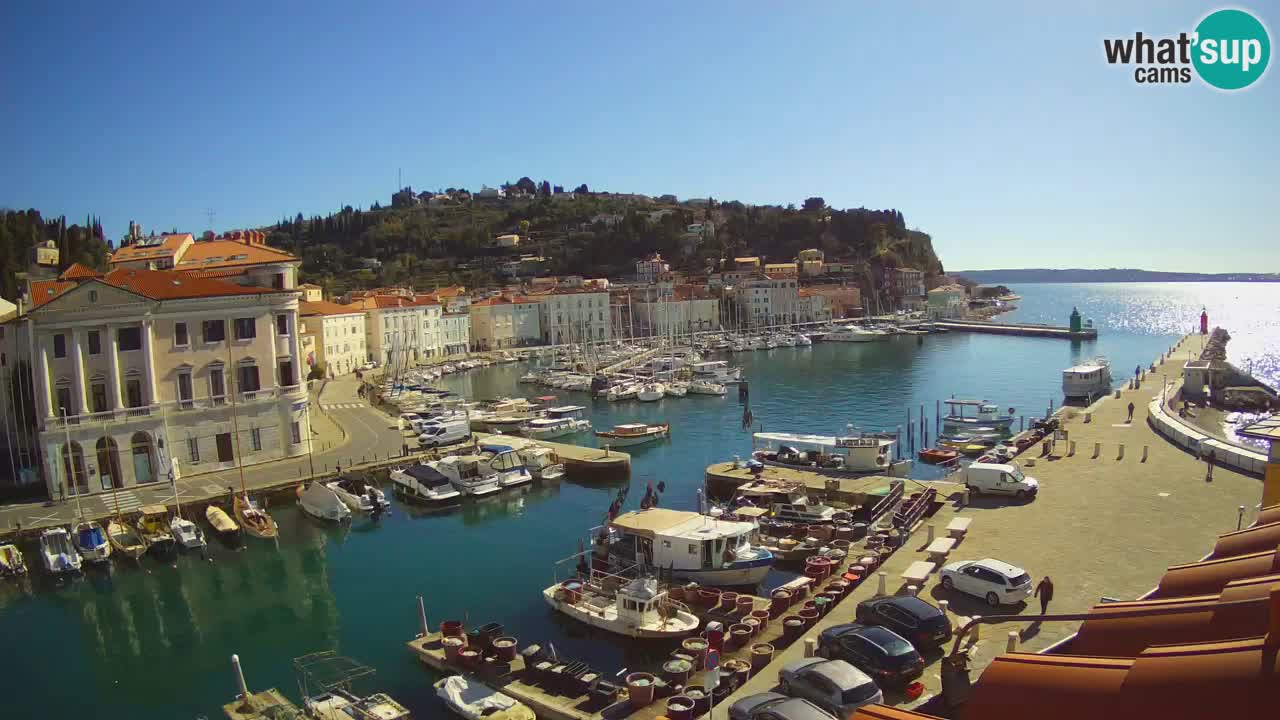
x=905, y=520
x=178, y=407
x=886, y=504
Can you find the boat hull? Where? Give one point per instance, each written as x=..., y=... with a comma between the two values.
x=748, y=576
x=897, y=468
x=677, y=627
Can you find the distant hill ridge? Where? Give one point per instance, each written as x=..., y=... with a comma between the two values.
x=1081, y=275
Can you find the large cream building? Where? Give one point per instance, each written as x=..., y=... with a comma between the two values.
x=505, y=322
x=338, y=337
x=574, y=316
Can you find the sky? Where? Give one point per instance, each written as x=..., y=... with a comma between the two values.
x=996, y=127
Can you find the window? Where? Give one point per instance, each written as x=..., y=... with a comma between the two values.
x=247, y=378
x=64, y=402
x=98, y=391
x=286, y=374
x=184, y=390
x=282, y=325
x=180, y=337
x=217, y=385
x=133, y=393
x=255, y=437
x=277, y=281
x=59, y=345
x=296, y=433
x=214, y=331
x=129, y=338
x=193, y=449
x=225, y=453
x=246, y=329
x=95, y=343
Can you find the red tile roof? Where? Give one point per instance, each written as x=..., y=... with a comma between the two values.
x=167, y=247
x=79, y=272
x=214, y=273
x=172, y=285
x=224, y=253
x=324, y=307
x=42, y=291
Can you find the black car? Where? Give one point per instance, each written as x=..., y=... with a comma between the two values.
x=922, y=624
x=880, y=652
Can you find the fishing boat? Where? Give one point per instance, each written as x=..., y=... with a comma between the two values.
x=221, y=522
x=965, y=447
x=541, y=462
x=423, y=484
x=12, y=563
x=186, y=534
x=360, y=495
x=706, y=387
x=985, y=414
x=473, y=700
x=688, y=546
x=559, y=421
x=125, y=539
x=91, y=541
x=637, y=608
x=633, y=434
x=938, y=456
x=837, y=455
x=58, y=553
x=1087, y=380
x=327, y=682
x=252, y=518
x=651, y=392
x=153, y=526
x=322, y=503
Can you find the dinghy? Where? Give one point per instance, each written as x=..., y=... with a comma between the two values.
x=125, y=539
x=221, y=521
x=474, y=700
x=12, y=563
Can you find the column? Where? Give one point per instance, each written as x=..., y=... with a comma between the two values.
x=42, y=379
x=295, y=348
x=77, y=361
x=113, y=360
x=153, y=397
x=274, y=366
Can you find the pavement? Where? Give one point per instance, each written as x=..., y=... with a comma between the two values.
x=345, y=431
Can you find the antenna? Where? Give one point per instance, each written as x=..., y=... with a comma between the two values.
x=211, y=214
x=399, y=179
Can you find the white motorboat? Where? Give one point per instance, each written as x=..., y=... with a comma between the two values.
x=688, y=546
x=1087, y=380
x=622, y=392
x=651, y=392
x=466, y=474
x=530, y=378
x=677, y=388
x=322, y=503
x=632, y=434
x=706, y=387
x=186, y=534
x=505, y=463
x=58, y=553
x=636, y=609
x=987, y=415
x=473, y=700
x=91, y=541
x=803, y=340
x=360, y=495
x=853, y=333
x=717, y=371
x=541, y=462
x=422, y=483
x=12, y=563
x=559, y=421
x=854, y=455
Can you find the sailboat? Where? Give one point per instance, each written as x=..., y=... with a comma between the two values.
x=252, y=518
x=153, y=526
x=125, y=539
x=322, y=503
x=58, y=553
x=184, y=532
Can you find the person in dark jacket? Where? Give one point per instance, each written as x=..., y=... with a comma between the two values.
x=1044, y=591
x=1130, y=413
x=1208, y=465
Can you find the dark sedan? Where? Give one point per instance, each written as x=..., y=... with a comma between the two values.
x=922, y=624
x=881, y=653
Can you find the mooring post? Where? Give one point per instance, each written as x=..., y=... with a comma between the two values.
x=241, y=686
x=1097, y=450
x=1120, y=454
x=1144, y=453
x=1071, y=448
x=1012, y=644
x=1240, y=518
x=422, y=616
x=882, y=588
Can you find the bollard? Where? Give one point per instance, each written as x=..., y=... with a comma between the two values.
x=930, y=530
x=975, y=633
x=1071, y=448
x=884, y=584
x=1144, y=453
x=1117, y=394
x=1097, y=450
x=810, y=647
x=912, y=590
x=422, y=616
x=1088, y=418
x=943, y=605
x=1012, y=644
x=1240, y=517
x=964, y=497
x=1120, y=455
x=240, y=683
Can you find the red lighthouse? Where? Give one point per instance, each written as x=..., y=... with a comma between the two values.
x=1204, y=322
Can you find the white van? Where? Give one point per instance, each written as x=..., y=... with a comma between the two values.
x=445, y=433
x=1000, y=479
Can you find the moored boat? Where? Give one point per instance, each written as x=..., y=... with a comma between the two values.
x=651, y=392
x=473, y=700
x=687, y=546
x=360, y=495
x=542, y=462
x=676, y=388
x=938, y=456
x=637, y=608
x=186, y=534
x=153, y=526
x=58, y=553
x=125, y=539
x=11, y=561
x=91, y=541
x=254, y=519
x=706, y=387
x=633, y=434
x=423, y=484
x=837, y=455
x=220, y=521
x=986, y=415
x=1087, y=380
x=322, y=503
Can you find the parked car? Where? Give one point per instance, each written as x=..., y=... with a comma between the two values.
x=786, y=709
x=833, y=685
x=922, y=624
x=997, y=582
x=749, y=706
x=880, y=652
x=369, y=365
x=1000, y=479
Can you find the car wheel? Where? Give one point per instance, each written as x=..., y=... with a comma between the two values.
x=948, y=584
x=1021, y=495
x=972, y=490
x=993, y=599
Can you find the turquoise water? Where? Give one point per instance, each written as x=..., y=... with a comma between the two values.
x=142, y=643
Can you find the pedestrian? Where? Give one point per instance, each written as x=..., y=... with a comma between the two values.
x=1130, y=413
x=1044, y=591
x=62, y=494
x=1208, y=468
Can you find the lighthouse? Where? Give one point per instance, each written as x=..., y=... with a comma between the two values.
x=1075, y=320
x=1204, y=321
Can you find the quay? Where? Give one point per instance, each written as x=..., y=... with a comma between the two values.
x=723, y=479
x=1024, y=329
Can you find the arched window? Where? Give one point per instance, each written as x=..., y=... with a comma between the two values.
x=144, y=458
x=73, y=471
x=109, y=463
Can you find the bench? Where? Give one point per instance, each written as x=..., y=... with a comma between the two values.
x=917, y=572
x=958, y=527
x=939, y=548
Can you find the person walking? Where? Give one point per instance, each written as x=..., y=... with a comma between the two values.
x=1208, y=468
x=1044, y=591
x=1130, y=413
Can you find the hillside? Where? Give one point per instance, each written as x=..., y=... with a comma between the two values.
x=1044, y=275
x=22, y=230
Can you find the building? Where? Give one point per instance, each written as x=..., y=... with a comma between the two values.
x=841, y=301
x=526, y=266
x=768, y=300
x=907, y=287
x=508, y=240
x=455, y=331
x=505, y=321
x=573, y=316
x=393, y=330
x=431, y=343
x=812, y=307
x=338, y=337
x=682, y=309
x=948, y=301
x=786, y=270
x=488, y=193
x=137, y=368
x=650, y=268
x=747, y=263
x=811, y=262
x=240, y=256
x=311, y=293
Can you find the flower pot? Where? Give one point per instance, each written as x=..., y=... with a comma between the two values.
x=745, y=605
x=505, y=648
x=469, y=657
x=728, y=600
x=762, y=616
x=697, y=647
x=761, y=655
x=640, y=689
x=708, y=597
x=679, y=707
x=452, y=644
x=677, y=671
x=752, y=623
x=810, y=617
x=451, y=628
x=739, y=635
x=792, y=627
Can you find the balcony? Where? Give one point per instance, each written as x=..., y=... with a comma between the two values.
x=175, y=408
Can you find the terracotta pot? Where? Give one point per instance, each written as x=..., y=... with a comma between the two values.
x=451, y=628
x=676, y=593
x=752, y=623
x=640, y=689
x=677, y=671
x=728, y=601
x=763, y=616
x=469, y=657
x=745, y=605
x=679, y=707
x=792, y=627
x=761, y=655
x=739, y=635
x=452, y=644
x=505, y=648
x=810, y=617
x=697, y=647
x=781, y=599
x=708, y=597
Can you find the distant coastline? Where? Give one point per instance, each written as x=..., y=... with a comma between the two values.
x=1080, y=275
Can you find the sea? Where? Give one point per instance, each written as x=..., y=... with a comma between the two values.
x=155, y=640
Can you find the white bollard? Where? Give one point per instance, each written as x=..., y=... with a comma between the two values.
x=975, y=632
x=810, y=647
x=912, y=590
x=943, y=605
x=964, y=498
x=1144, y=453
x=930, y=529
x=1120, y=454
x=241, y=686
x=1012, y=644
x=882, y=589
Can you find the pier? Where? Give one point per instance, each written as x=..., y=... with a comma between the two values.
x=723, y=479
x=580, y=463
x=1024, y=329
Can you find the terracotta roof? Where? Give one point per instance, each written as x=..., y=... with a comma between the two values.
x=214, y=273
x=168, y=246
x=42, y=291
x=225, y=253
x=173, y=285
x=454, y=291
x=1250, y=540
x=1211, y=576
x=309, y=286
x=324, y=307
x=78, y=272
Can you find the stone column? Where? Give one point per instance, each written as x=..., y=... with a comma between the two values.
x=42, y=380
x=295, y=347
x=77, y=362
x=153, y=396
x=274, y=363
x=113, y=360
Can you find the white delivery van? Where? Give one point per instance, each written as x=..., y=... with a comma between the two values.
x=444, y=433
x=1000, y=479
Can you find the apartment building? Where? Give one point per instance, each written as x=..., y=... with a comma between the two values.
x=768, y=300
x=572, y=316
x=505, y=322
x=337, y=334
x=685, y=308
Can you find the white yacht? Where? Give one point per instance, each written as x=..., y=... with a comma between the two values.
x=637, y=609
x=677, y=388
x=803, y=340
x=321, y=503
x=91, y=541
x=479, y=475
x=1087, y=380
x=717, y=371
x=651, y=392
x=541, y=462
x=706, y=387
x=559, y=421
x=186, y=533
x=853, y=333
x=360, y=495
x=58, y=553
x=858, y=455
x=687, y=545
x=422, y=483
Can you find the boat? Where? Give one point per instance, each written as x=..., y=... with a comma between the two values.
x=465, y=473
x=422, y=483
x=530, y=378
x=637, y=608
x=706, y=387
x=853, y=333
x=622, y=391
x=786, y=501
x=221, y=521
x=633, y=434
x=541, y=462
x=505, y=463
x=186, y=534
x=838, y=455
x=650, y=392
x=360, y=495
x=318, y=501
x=986, y=415
x=1087, y=380
x=803, y=340
x=473, y=700
x=91, y=541
x=153, y=526
x=676, y=389
x=125, y=539
x=687, y=546
x=938, y=456
x=253, y=519
x=58, y=553
x=559, y=421
x=717, y=371
x=12, y=563
x=327, y=682
x=964, y=447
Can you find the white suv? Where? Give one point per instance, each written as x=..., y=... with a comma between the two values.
x=999, y=583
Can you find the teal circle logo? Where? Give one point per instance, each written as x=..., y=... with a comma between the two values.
x=1231, y=49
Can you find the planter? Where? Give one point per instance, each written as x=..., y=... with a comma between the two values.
x=676, y=593
x=697, y=694
x=739, y=635
x=677, y=671
x=761, y=655
x=800, y=532
x=452, y=644
x=505, y=648
x=842, y=586
x=640, y=689
x=680, y=707
x=708, y=597
x=737, y=670
x=792, y=627
x=728, y=601
x=696, y=647
x=469, y=657
x=821, y=532
x=843, y=532
x=762, y=616
x=752, y=623
x=451, y=628
x=745, y=605
x=781, y=600
x=810, y=617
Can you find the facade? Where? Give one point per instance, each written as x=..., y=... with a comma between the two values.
x=311, y=293
x=455, y=332
x=504, y=322
x=651, y=268
x=812, y=307
x=788, y=270
x=138, y=368
x=432, y=345
x=840, y=301
x=240, y=256
x=338, y=337
x=768, y=300
x=572, y=316
x=948, y=301
x=810, y=262
x=907, y=285
x=396, y=333
x=686, y=309
x=509, y=240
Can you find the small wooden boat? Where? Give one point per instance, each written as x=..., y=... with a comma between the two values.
x=633, y=434
x=153, y=526
x=125, y=539
x=964, y=447
x=474, y=700
x=938, y=456
x=12, y=563
x=221, y=521
x=254, y=519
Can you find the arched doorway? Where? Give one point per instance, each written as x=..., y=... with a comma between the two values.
x=109, y=463
x=73, y=470
x=144, y=458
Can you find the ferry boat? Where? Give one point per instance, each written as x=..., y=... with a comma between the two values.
x=636, y=609
x=633, y=434
x=986, y=415
x=686, y=545
x=835, y=455
x=423, y=484
x=1087, y=380
x=559, y=421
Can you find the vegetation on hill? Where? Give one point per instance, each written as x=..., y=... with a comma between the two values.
x=22, y=230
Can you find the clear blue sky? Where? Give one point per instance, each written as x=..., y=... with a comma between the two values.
x=997, y=127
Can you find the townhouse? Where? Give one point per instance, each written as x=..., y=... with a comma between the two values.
x=505, y=321
x=337, y=337
x=568, y=315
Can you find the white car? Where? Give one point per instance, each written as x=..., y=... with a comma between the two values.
x=833, y=685
x=999, y=583
x=369, y=365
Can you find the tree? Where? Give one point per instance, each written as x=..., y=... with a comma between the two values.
x=814, y=203
x=526, y=185
x=581, y=189
x=545, y=188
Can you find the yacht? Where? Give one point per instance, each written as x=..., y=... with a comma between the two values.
x=632, y=434
x=58, y=552
x=688, y=546
x=651, y=392
x=986, y=415
x=1087, y=380
x=318, y=501
x=91, y=541
x=803, y=340
x=422, y=483
x=635, y=609
x=541, y=462
x=559, y=421
x=505, y=462
x=360, y=495
x=186, y=534
x=853, y=333
x=677, y=388
x=625, y=391
x=467, y=475
x=717, y=371
x=706, y=387
x=858, y=455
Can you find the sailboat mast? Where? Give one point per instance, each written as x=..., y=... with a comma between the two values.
x=235, y=423
x=71, y=462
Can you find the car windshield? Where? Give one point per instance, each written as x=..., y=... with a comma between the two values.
x=1017, y=474
x=892, y=643
x=858, y=694
x=1022, y=579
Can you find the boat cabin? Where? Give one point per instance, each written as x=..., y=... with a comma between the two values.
x=640, y=603
x=1087, y=380
x=862, y=453
x=572, y=412
x=678, y=540
x=984, y=413
x=428, y=479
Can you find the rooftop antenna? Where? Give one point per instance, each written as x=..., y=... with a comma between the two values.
x=399, y=179
x=210, y=213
